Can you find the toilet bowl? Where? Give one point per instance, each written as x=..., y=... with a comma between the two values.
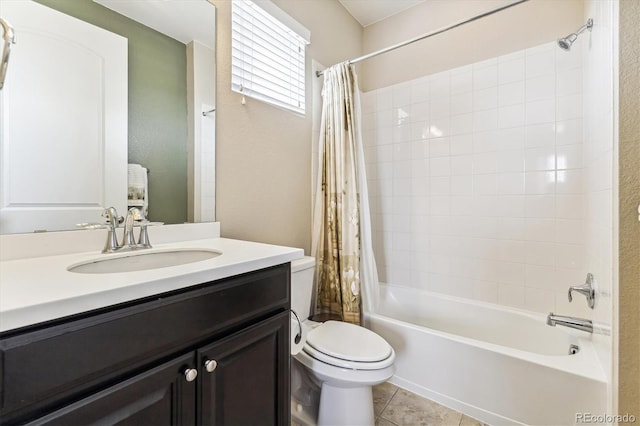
x=342, y=360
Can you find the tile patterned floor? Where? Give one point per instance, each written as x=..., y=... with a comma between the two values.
x=394, y=406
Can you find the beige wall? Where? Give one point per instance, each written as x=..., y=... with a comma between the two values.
x=263, y=176
x=522, y=26
x=263, y=168
x=629, y=178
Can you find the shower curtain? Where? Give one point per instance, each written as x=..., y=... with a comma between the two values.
x=346, y=276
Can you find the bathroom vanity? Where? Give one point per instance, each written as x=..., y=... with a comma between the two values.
x=195, y=351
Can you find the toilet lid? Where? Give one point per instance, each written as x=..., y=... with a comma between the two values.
x=348, y=342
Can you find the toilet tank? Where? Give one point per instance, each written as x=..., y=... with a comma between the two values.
x=302, y=271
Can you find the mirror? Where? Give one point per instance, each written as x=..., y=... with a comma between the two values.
x=170, y=82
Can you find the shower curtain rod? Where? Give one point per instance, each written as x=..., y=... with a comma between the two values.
x=429, y=34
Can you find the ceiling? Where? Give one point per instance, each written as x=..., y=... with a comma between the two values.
x=181, y=20
x=368, y=12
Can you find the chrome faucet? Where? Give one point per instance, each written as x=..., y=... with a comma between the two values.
x=571, y=322
x=128, y=239
x=113, y=220
x=586, y=289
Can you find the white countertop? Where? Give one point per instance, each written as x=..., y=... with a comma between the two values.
x=33, y=290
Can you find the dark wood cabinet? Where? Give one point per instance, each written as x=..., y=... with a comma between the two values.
x=249, y=377
x=159, y=396
x=128, y=364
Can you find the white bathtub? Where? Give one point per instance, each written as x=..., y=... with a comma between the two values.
x=498, y=365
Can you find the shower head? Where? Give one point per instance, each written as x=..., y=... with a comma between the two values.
x=566, y=42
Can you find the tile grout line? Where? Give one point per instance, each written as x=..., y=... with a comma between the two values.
x=381, y=415
x=387, y=404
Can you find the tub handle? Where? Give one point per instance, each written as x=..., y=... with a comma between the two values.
x=586, y=289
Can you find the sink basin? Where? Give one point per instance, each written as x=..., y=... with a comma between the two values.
x=141, y=261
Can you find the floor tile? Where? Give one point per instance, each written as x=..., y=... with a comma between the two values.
x=409, y=409
x=384, y=422
x=382, y=394
x=394, y=406
x=469, y=421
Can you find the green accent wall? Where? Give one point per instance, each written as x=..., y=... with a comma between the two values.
x=157, y=105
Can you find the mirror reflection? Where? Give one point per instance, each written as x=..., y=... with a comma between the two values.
x=67, y=137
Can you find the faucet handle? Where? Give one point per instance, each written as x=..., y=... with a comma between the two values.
x=586, y=289
x=137, y=214
x=143, y=238
x=132, y=215
x=111, y=214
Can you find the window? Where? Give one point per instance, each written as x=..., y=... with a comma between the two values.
x=268, y=55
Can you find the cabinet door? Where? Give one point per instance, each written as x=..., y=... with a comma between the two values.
x=250, y=382
x=159, y=396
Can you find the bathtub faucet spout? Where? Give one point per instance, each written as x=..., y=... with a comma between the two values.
x=571, y=322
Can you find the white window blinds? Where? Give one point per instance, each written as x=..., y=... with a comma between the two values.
x=267, y=57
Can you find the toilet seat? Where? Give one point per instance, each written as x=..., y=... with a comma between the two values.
x=348, y=346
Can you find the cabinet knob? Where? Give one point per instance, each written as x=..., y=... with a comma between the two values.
x=210, y=365
x=190, y=374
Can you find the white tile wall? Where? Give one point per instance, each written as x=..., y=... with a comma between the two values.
x=477, y=182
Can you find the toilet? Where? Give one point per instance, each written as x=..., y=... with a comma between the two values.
x=333, y=373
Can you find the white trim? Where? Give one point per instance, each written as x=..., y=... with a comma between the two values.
x=612, y=391
x=273, y=10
